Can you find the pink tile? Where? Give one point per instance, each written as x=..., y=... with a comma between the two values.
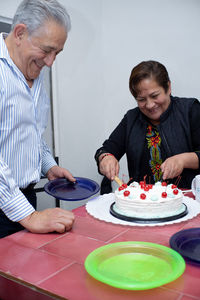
x=80, y=211
x=75, y=284
x=73, y=246
x=29, y=264
x=141, y=235
x=97, y=229
x=195, y=222
x=188, y=283
x=11, y=290
x=167, y=230
x=189, y=298
x=33, y=240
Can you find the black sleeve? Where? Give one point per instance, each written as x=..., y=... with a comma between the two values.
x=195, y=127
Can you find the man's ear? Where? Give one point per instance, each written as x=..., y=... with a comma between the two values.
x=19, y=32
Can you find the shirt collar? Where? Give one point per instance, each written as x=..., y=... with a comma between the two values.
x=4, y=54
x=3, y=49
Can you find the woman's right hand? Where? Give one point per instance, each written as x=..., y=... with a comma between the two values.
x=109, y=166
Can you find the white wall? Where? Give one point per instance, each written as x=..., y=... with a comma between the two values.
x=108, y=38
x=90, y=79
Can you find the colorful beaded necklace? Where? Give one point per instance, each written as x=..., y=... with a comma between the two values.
x=154, y=144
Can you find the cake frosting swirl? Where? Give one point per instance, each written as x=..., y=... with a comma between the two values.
x=143, y=200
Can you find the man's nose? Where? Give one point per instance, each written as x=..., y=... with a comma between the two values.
x=49, y=59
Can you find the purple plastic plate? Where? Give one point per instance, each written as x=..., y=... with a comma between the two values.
x=187, y=243
x=63, y=189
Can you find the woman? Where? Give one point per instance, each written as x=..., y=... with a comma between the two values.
x=160, y=137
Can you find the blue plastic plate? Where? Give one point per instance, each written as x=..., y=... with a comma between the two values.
x=63, y=189
x=187, y=243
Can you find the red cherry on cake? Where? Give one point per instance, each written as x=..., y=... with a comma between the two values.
x=126, y=193
x=175, y=192
x=146, y=188
x=164, y=183
x=174, y=186
x=150, y=186
x=121, y=188
x=124, y=185
x=142, y=196
x=164, y=195
x=142, y=182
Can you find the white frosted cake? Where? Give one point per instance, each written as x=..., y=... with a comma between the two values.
x=148, y=201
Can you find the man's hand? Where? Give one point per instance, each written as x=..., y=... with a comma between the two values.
x=109, y=166
x=49, y=220
x=58, y=172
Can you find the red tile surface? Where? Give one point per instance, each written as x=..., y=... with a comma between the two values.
x=97, y=229
x=142, y=236
x=80, y=211
x=10, y=290
x=74, y=246
x=32, y=240
x=75, y=284
x=189, y=298
x=29, y=264
x=56, y=262
x=189, y=282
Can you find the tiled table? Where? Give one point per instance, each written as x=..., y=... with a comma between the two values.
x=51, y=266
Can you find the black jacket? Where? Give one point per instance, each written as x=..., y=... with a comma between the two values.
x=179, y=129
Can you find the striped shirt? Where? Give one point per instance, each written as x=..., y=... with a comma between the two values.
x=23, y=153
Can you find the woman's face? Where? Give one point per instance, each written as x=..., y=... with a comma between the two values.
x=152, y=99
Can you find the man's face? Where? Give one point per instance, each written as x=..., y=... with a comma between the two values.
x=40, y=49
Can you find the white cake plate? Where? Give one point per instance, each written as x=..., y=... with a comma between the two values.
x=99, y=208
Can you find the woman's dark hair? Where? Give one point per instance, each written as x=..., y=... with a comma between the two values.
x=148, y=69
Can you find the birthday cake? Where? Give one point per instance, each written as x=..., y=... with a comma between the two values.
x=148, y=201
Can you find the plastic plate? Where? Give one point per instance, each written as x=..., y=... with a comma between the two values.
x=187, y=243
x=63, y=189
x=135, y=265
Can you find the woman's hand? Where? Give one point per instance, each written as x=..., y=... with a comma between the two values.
x=174, y=165
x=109, y=166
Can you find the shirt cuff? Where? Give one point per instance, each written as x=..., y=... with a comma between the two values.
x=17, y=208
x=48, y=164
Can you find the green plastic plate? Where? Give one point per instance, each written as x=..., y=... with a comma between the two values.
x=135, y=265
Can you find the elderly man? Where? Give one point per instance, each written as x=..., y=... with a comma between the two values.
x=38, y=34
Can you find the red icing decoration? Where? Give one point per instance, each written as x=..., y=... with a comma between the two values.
x=175, y=192
x=142, y=196
x=164, y=195
x=126, y=193
x=164, y=183
x=146, y=188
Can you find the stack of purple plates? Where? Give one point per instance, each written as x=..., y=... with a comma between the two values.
x=187, y=243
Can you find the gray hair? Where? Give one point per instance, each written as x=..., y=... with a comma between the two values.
x=34, y=13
